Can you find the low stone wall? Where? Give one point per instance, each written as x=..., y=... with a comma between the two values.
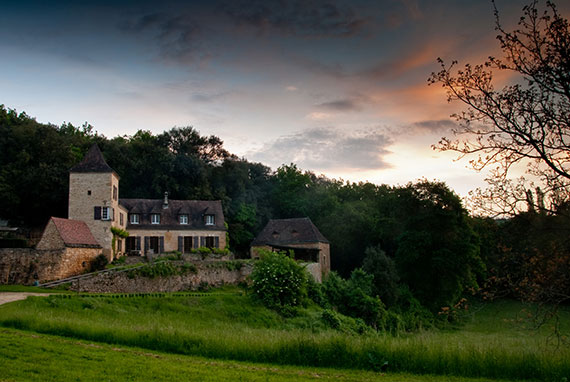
x=213, y=274
x=26, y=265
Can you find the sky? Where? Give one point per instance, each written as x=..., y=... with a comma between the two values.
x=337, y=87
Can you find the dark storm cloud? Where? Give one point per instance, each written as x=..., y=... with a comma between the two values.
x=178, y=37
x=326, y=149
x=309, y=18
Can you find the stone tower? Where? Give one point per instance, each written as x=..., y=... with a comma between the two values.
x=94, y=197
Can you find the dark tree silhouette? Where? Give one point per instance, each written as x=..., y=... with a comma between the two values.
x=526, y=122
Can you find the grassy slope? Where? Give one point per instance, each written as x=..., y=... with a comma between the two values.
x=232, y=327
x=32, y=357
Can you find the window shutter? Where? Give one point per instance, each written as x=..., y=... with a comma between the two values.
x=180, y=244
x=202, y=241
x=146, y=243
x=196, y=241
x=161, y=244
x=217, y=242
x=138, y=243
x=97, y=213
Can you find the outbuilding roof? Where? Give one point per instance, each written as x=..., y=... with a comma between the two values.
x=283, y=232
x=75, y=233
x=92, y=162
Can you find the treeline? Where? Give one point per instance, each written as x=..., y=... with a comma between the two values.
x=416, y=239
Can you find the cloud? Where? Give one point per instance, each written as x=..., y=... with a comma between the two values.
x=323, y=149
x=340, y=105
x=302, y=18
x=179, y=38
x=434, y=125
x=291, y=88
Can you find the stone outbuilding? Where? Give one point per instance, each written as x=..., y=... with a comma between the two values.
x=299, y=235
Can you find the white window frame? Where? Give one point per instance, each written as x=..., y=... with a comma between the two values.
x=183, y=219
x=106, y=213
x=210, y=219
x=135, y=219
x=154, y=218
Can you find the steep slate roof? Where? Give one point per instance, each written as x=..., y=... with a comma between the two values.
x=284, y=232
x=92, y=162
x=169, y=217
x=75, y=233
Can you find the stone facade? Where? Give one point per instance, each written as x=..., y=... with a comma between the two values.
x=26, y=265
x=51, y=239
x=213, y=274
x=92, y=190
x=170, y=237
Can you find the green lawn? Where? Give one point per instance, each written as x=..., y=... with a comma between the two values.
x=492, y=344
x=26, y=356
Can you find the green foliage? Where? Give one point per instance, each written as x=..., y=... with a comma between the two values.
x=162, y=269
x=116, y=231
x=278, y=281
x=437, y=254
x=236, y=327
x=353, y=297
x=385, y=277
x=99, y=263
x=204, y=250
x=315, y=292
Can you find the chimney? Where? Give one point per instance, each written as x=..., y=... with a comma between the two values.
x=165, y=202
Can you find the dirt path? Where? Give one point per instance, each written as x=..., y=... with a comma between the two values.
x=6, y=297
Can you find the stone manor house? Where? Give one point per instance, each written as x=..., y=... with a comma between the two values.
x=154, y=225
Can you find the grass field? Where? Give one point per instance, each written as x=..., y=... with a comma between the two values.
x=492, y=344
x=26, y=356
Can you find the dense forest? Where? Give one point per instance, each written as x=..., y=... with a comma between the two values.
x=416, y=240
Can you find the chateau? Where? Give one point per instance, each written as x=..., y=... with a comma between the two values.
x=154, y=225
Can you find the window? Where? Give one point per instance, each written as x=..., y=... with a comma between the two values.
x=155, y=218
x=210, y=220
x=121, y=219
x=154, y=244
x=115, y=193
x=135, y=219
x=88, y=192
x=106, y=213
x=119, y=245
x=183, y=219
x=210, y=242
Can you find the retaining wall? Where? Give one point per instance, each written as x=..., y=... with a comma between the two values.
x=27, y=265
x=214, y=274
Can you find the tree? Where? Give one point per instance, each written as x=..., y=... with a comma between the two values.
x=526, y=122
x=437, y=255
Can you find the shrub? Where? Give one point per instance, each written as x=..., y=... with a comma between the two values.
x=204, y=250
x=315, y=292
x=330, y=318
x=278, y=281
x=353, y=297
x=99, y=263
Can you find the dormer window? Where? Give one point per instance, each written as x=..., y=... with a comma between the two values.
x=209, y=219
x=183, y=219
x=154, y=218
x=135, y=218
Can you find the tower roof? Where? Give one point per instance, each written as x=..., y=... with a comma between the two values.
x=92, y=162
